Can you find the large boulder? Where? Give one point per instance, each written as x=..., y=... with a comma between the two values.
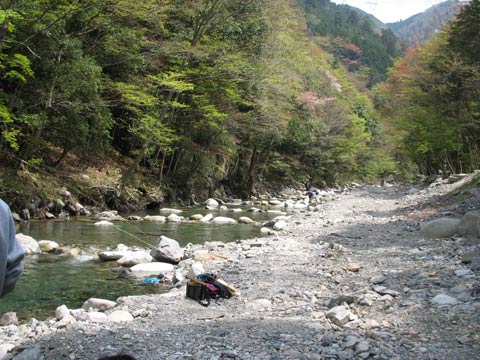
x=48, y=245
x=29, y=244
x=470, y=224
x=167, y=250
x=212, y=203
x=440, y=228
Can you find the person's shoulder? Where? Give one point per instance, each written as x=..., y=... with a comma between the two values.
x=4, y=207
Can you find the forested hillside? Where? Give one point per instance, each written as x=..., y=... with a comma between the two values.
x=363, y=45
x=431, y=100
x=421, y=27
x=190, y=97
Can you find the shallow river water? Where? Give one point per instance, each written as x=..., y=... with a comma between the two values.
x=51, y=280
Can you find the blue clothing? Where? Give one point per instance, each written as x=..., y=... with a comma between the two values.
x=11, y=252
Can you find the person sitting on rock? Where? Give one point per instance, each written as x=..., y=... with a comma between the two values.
x=11, y=252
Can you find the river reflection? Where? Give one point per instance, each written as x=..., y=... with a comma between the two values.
x=53, y=280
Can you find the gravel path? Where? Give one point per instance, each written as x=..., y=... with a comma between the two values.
x=351, y=280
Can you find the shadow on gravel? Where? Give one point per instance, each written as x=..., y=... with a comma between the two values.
x=204, y=337
x=417, y=269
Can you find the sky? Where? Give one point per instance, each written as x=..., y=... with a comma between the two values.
x=391, y=10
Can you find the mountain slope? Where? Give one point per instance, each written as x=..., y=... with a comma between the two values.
x=420, y=27
x=361, y=42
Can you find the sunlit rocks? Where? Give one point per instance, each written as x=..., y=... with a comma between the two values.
x=167, y=250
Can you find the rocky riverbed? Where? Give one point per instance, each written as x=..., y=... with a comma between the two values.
x=351, y=278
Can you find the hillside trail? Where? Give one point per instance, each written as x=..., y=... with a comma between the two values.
x=351, y=280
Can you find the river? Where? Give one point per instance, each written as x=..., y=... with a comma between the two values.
x=50, y=280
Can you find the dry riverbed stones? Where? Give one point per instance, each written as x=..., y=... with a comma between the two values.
x=351, y=278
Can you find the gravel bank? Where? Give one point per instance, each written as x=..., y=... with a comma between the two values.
x=351, y=280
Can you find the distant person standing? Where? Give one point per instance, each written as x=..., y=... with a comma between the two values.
x=308, y=185
x=11, y=252
x=311, y=192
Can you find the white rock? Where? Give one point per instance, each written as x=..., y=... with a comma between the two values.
x=245, y=220
x=135, y=258
x=223, y=220
x=339, y=315
x=212, y=203
x=64, y=192
x=103, y=223
x=4, y=349
x=112, y=255
x=98, y=304
x=282, y=217
x=276, y=212
x=174, y=218
x=29, y=244
x=48, y=245
x=178, y=277
x=122, y=247
x=195, y=270
x=207, y=218
x=155, y=218
x=120, y=316
x=275, y=202
x=65, y=321
x=171, y=211
x=444, y=299
x=280, y=225
x=152, y=268
x=109, y=216
x=167, y=250
x=61, y=312
x=79, y=314
x=267, y=231
x=96, y=317
x=236, y=210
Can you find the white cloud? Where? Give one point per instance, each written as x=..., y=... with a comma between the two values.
x=391, y=10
